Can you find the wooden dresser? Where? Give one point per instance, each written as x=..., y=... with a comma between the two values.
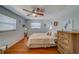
x=68, y=42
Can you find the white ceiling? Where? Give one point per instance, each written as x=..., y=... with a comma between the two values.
x=50, y=10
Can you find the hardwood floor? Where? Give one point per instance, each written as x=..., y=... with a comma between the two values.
x=21, y=48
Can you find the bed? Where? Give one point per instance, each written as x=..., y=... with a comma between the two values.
x=40, y=40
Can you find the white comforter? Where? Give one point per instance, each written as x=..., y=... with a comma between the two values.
x=40, y=40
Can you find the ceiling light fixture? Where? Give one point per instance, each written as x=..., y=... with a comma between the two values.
x=34, y=14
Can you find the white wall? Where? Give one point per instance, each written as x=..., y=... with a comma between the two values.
x=11, y=37
x=71, y=12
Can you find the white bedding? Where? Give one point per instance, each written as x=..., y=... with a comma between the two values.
x=38, y=40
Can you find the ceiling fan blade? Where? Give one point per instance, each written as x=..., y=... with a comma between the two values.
x=40, y=14
x=28, y=14
x=34, y=10
x=27, y=10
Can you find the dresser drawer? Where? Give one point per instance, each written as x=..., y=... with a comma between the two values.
x=66, y=41
x=60, y=35
x=63, y=40
x=60, y=48
x=64, y=48
x=64, y=37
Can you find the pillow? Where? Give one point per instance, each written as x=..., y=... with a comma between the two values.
x=54, y=34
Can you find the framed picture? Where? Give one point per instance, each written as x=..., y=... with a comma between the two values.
x=55, y=23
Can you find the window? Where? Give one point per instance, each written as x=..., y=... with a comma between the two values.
x=35, y=25
x=7, y=23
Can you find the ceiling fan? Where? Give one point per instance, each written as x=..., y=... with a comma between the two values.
x=35, y=12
